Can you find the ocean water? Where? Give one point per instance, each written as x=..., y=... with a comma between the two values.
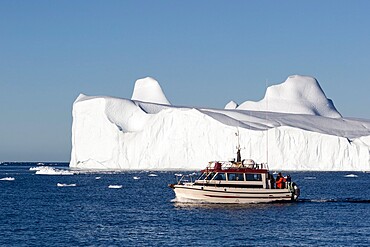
x=333, y=210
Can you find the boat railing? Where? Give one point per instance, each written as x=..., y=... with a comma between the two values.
x=225, y=165
x=187, y=178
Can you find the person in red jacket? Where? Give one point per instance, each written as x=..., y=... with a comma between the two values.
x=280, y=181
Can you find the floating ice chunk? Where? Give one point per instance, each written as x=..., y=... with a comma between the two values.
x=115, y=186
x=178, y=174
x=40, y=164
x=34, y=168
x=136, y=178
x=152, y=175
x=66, y=185
x=97, y=178
x=351, y=176
x=47, y=170
x=7, y=179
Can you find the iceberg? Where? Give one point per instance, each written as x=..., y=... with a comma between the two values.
x=294, y=127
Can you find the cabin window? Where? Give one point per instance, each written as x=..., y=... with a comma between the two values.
x=210, y=176
x=235, y=177
x=220, y=176
x=253, y=177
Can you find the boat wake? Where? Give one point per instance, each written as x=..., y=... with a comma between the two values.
x=335, y=200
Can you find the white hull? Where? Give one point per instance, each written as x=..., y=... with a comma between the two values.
x=210, y=194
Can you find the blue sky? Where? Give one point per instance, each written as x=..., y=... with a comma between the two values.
x=203, y=53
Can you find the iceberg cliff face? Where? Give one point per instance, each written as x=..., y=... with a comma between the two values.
x=114, y=133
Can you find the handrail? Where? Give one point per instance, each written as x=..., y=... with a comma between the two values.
x=225, y=165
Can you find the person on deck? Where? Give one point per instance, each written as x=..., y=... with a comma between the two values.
x=280, y=181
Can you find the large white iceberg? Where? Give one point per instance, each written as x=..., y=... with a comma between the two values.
x=295, y=127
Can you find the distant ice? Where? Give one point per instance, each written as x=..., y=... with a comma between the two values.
x=115, y=186
x=351, y=176
x=152, y=175
x=66, y=185
x=7, y=179
x=136, y=178
x=47, y=170
x=97, y=178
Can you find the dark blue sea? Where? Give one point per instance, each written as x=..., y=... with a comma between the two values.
x=333, y=210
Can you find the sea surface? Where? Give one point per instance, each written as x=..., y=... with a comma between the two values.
x=92, y=209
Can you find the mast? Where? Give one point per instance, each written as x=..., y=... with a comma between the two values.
x=238, y=155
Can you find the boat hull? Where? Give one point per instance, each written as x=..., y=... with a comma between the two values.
x=210, y=194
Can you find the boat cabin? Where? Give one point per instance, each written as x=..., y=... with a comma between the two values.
x=245, y=174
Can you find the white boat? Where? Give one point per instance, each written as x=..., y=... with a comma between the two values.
x=234, y=182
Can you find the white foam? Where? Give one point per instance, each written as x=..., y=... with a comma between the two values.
x=115, y=186
x=47, y=170
x=7, y=179
x=66, y=185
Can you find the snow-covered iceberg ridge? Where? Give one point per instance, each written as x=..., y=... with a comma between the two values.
x=296, y=122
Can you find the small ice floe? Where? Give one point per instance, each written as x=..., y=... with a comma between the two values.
x=66, y=185
x=193, y=174
x=40, y=164
x=152, y=175
x=97, y=178
x=178, y=174
x=310, y=178
x=35, y=168
x=47, y=170
x=275, y=173
x=7, y=179
x=351, y=176
x=136, y=178
x=115, y=186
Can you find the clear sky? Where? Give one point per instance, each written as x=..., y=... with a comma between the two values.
x=203, y=53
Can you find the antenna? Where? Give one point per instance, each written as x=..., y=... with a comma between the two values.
x=267, y=130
